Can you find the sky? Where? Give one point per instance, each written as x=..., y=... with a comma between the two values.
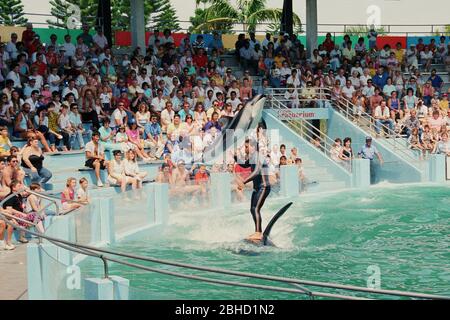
x=329, y=11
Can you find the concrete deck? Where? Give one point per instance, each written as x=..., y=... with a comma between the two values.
x=13, y=273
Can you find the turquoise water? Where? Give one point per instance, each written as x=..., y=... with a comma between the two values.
x=403, y=230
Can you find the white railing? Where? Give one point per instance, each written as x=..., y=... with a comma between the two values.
x=346, y=108
x=307, y=131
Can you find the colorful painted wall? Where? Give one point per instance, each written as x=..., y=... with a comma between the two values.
x=123, y=38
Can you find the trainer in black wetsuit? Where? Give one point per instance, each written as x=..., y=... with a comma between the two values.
x=261, y=187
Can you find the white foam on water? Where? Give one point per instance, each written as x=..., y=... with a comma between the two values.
x=207, y=229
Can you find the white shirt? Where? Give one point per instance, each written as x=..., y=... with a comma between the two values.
x=382, y=113
x=91, y=148
x=146, y=79
x=101, y=41
x=363, y=80
x=33, y=105
x=14, y=77
x=158, y=104
x=348, y=91
x=426, y=56
x=296, y=82
x=105, y=98
x=67, y=90
x=53, y=78
x=81, y=194
x=164, y=40
x=167, y=117
x=342, y=79
x=39, y=81
x=234, y=103
x=131, y=167
x=64, y=121
x=118, y=116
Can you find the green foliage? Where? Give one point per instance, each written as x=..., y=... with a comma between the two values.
x=362, y=31
x=61, y=10
x=199, y=23
x=445, y=32
x=165, y=16
x=11, y=13
x=248, y=13
x=121, y=13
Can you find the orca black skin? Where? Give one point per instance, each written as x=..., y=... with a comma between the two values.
x=219, y=145
x=265, y=240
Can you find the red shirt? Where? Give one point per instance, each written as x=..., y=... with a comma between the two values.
x=28, y=37
x=201, y=177
x=52, y=59
x=244, y=173
x=41, y=67
x=328, y=45
x=200, y=61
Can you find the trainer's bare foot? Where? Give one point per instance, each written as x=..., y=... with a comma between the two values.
x=257, y=236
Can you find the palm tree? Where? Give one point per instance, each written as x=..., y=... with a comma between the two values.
x=246, y=12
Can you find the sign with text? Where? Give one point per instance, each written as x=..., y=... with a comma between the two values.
x=301, y=113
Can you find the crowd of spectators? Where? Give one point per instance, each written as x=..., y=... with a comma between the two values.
x=170, y=103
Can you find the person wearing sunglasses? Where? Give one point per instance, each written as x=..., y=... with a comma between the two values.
x=12, y=171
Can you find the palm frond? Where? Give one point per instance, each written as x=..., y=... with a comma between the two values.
x=214, y=22
x=221, y=8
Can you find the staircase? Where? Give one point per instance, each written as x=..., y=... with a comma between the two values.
x=321, y=172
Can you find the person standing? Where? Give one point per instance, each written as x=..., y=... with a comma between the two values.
x=369, y=151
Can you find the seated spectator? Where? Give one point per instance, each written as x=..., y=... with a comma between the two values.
x=32, y=162
x=213, y=123
x=12, y=171
x=137, y=144
x=383, y=117
x=116, y=173
x=336, y=150
x=443, y=146
x=154, y=138
x=14, y=207
x=24, y=127
x=132, y=169
x=119, y=116
x=426, y=58
x=95, y=157
x=68, y=197
x=428, y=142
x=411, y=122
x=82, y=192
x=77, y=126
x=5, y=143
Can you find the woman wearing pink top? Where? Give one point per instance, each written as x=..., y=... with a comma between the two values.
x=68, y=195
x=428, y=93
x=134, y=138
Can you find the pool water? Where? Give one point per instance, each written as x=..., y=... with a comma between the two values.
x=402, y=230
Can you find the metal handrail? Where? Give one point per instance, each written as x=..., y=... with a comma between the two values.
x=393, y=141
x=100, y=253
x=344, y=106
x=326, y=142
